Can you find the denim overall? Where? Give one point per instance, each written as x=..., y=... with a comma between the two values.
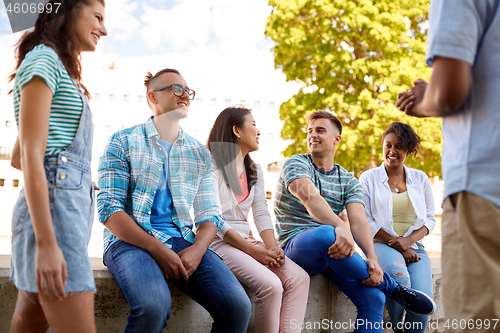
x=71, y=197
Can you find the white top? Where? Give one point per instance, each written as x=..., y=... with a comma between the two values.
x=236, y=213
x=378, y=200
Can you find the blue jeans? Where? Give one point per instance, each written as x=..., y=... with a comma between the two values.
x=212, y=285
x=417, y=275
x=309, y=249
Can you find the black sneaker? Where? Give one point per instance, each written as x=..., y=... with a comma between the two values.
x=413, y=300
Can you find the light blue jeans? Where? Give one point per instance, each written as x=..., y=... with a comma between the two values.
x=417, y=275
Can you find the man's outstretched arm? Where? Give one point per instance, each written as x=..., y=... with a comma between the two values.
x=318, y=208
x=362, y=234
x=207, y=219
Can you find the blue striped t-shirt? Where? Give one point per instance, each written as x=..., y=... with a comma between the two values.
x=337, y=186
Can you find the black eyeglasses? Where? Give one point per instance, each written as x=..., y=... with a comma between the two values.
x=178, y=90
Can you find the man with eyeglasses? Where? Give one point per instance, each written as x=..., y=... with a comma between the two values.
x=150, y=176
x=311, y=194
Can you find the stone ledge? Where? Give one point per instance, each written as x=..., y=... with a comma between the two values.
x=111, y=309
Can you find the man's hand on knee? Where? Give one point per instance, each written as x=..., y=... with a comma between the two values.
x=170, y=263
x=344, y=243
x=191, y=258
x=376, y=273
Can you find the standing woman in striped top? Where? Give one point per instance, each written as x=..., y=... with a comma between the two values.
x=53, y=216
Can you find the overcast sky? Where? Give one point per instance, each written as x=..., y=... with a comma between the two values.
x=159, y=26
x=225, y=35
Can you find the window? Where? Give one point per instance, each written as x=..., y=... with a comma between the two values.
x=109, y=128
x=256, y=104
x=243, y=102
x=97, y=96
x=270, y=136
x=271, y=105
x=140, y=99
x=198, y=101
x=275, y=166
x=126, y=98
x=2, y=182
x=8, y=123
x=111, y=97
x=213, y=101
x=5, y=153
x=15, y=183
x=228, y=102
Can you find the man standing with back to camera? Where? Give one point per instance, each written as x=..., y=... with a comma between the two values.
x=463, y=48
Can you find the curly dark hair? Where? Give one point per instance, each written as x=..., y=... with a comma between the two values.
x=407, y=137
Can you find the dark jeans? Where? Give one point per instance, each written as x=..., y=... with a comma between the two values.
x=309, y=249
x=212, y=285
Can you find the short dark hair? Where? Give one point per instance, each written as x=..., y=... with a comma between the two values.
x=150, y=77
x=407, y=137
x=321, y=114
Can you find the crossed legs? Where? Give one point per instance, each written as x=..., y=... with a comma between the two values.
x=309, y=249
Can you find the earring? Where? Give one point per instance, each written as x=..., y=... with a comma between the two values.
x=238, y=138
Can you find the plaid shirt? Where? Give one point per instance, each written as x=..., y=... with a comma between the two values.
x=130, y=171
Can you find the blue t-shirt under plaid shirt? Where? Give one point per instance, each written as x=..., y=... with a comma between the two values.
x=130, y=171
x=337, y=186
x=163, y=205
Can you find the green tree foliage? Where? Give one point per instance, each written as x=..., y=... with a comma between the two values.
x=353, y=57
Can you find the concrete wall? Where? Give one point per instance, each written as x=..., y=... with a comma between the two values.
x=327, y=306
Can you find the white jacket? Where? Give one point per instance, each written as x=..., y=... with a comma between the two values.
x=378, y=200
x=236, y=214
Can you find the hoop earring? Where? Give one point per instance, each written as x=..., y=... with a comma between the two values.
x=238, y=138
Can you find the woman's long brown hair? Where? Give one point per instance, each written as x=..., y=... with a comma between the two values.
x=59, y=32
x=222, y=145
